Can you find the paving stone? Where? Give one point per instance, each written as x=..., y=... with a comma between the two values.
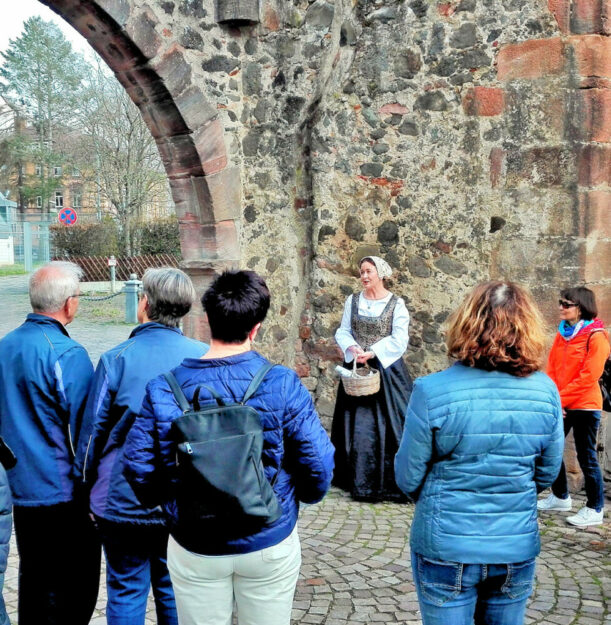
x=356, y=559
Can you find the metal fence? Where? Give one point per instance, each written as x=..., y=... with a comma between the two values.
x=30, y=242
x=96, y=268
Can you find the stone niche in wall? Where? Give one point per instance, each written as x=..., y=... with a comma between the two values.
x=237, y=12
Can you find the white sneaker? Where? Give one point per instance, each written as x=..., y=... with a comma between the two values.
x=551, y=502
x=586, y=516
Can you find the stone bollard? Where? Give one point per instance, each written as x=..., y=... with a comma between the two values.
x=131, y=289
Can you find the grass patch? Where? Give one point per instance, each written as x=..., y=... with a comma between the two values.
x=12, y=270
x=102, y=311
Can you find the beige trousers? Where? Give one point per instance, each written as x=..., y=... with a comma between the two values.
x=262, y=583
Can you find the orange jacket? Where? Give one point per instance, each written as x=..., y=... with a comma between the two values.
x=575, y=366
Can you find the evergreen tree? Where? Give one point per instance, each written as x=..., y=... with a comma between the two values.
x=42, y=78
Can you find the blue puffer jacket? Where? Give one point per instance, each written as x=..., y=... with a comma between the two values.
x=44, y=378
x=296, y=451
x=476, y=449
x=115, y=398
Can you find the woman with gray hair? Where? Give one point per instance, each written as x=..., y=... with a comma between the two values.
x=134, y=537
x=366, y=430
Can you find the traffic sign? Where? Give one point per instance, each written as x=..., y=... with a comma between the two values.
x=67, y=216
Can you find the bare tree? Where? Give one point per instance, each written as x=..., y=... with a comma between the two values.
x=122, y=154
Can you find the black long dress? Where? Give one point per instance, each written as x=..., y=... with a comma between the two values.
x=366, y=431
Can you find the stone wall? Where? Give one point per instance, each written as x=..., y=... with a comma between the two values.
x=461, y=140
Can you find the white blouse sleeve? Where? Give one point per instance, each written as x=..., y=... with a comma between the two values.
x=391, y=348
x=343, y=336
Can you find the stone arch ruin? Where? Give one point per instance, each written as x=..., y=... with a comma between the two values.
x=184, y=123
x=460, y=139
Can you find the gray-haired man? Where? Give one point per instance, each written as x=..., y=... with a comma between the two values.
x=44, y=382
x=135, y=538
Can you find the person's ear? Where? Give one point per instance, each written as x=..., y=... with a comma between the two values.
x=253, y=333
x=70, y=307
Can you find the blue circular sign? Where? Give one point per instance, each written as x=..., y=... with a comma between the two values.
x=67, y=216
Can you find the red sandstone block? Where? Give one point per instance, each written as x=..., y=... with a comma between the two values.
x=302, y=368
x=595, y=105
x=484, y=101
x=497, y=159
x=531, y=59
x=595, y=214
x=270, y=19
x=446, y=9
x=603, y=301
x=210, y=145
x=305, y=332
x=594, y=165
x=587, y=16
x=393, y=109
x=561, y=9
x=597, y=261
x=592, y=55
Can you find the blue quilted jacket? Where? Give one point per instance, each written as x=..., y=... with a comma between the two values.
x=477, y=447
x=115, y=398
x=297, y=453
x=45, y=377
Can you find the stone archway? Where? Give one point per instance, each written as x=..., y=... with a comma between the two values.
x=189, y=135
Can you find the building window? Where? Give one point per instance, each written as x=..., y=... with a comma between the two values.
x=39, y=201
x=59, y=199
x=57, y=171
x=77, y=199
x=39, y=169
x=76, y=172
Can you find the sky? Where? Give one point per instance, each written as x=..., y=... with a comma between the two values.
x=14, y=13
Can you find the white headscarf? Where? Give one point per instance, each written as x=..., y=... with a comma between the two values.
x=383, y=268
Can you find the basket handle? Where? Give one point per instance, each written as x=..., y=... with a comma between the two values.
x=354, y=373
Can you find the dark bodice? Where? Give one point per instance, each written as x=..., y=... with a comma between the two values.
x=369, y=330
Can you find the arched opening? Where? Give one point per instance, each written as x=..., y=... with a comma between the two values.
x=206, y=191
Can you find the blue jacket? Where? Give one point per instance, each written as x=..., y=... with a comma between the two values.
x=297, y=452
x=477, y=447
x=114, y=400
x=44, y=380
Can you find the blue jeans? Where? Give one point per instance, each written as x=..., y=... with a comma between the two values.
x=136, y=559
x=585, y=427
x=463, y=594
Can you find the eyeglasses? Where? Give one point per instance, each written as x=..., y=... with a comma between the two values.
x=564, y=304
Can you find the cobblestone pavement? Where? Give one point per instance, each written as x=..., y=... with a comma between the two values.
x=355, y=555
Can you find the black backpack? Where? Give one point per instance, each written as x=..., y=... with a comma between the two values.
x=605, y=379
x=221, y=481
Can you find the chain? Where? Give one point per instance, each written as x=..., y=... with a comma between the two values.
x=101, y=299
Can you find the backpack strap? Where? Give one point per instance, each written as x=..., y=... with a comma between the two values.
x=185, y=406
x=256, y=381
x=215, y=395
x=590, y=336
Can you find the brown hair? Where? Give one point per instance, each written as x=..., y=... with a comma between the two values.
x=497, y=327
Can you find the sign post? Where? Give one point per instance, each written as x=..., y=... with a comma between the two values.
x=112, y=263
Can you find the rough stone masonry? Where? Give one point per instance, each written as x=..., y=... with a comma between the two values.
x=461, y=140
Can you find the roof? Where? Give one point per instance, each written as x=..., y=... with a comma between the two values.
x=5, y=202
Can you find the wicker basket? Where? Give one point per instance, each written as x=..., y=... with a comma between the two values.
x=365, y=381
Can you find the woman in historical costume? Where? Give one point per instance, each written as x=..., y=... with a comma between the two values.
x=366, y=430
